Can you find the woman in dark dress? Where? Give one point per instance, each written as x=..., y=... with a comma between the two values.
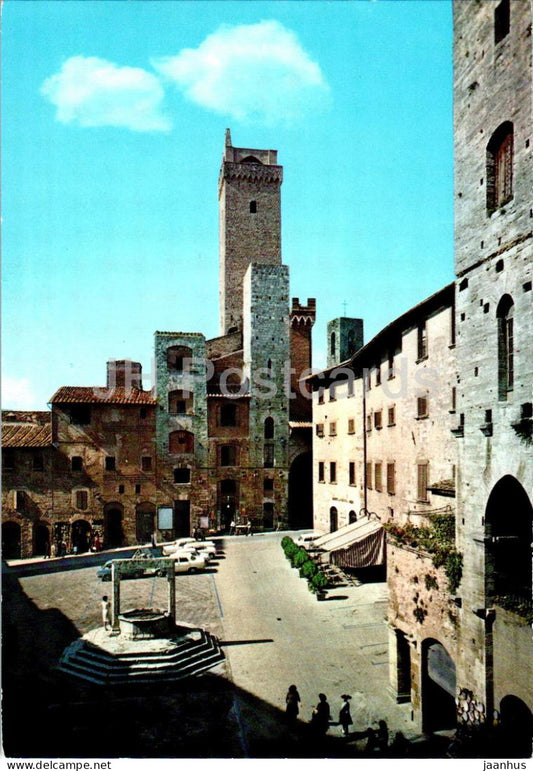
x=292, y=701
x=321, y=714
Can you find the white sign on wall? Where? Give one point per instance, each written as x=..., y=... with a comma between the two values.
x=165, y=519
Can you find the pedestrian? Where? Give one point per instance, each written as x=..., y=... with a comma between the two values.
x=249, y=528
x=153, y=539
x=345, y=719
x=321, y=714
x=47, y=550
x=383, y=736
x=372, y=742
x=292, y=701
x=106, y=613
x=232, y=527
x=96, y=543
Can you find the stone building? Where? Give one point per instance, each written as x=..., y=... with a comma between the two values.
x=493, y=258
x=225, y=435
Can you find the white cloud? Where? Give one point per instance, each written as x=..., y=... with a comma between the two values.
x=257, y=71
x=88, y=91
x=17, y=394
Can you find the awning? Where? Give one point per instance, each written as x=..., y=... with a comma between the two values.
x=322, y=540
x=359, y=545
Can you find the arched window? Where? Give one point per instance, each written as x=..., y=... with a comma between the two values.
x=269, y=428
x=500, y=167
x=333, y=520
x=180, y=442
x=504, y=315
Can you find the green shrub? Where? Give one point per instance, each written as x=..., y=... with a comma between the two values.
x=299, y=557
x=308, y=569
x=319, y=581
x=453, y=567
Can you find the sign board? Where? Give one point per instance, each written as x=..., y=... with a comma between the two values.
x=165, y=518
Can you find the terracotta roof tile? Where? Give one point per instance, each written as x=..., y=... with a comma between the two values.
x=25, y=435
x=101, y=395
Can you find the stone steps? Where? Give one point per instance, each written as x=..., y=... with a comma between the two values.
x=179, y=659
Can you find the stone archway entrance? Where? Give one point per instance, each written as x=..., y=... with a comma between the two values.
x=438, y=687
x=516, y=727
x=508, y=527
x=113, y=532
x=81, y=536
x=11, y=540
x=301, y=491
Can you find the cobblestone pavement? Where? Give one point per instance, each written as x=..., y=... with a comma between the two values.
x=273, y=633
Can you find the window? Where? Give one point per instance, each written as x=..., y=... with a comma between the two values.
x=321, y=396
x=110, y=463
x=268, y=485
x=391, y=478
x=352, y=517
x=178, y=358
x=500, y=167
x=377, y=477
x=143, y=413
x=178, y=402
x=332, y=472
x=422, y=341
x=8, y=460
x=180, y=442
x=454, y=399
x=333, y=519
x=321, y=473
x=504, y=316
x=82, y=499
x=369, y=422
x=121, y=489
x=146, y=463
x=269, y=428
x=422, y=482
x=378, y=373
x=182, y=476
x=390, y=364
x=76, y=463
x=392, y=415
x=137, y=489
x=228, y=455
x=351, y=473
x=422, y=407
x=351, y=426
x=369, y=475
x=332, y=345
x=20, y=500
x=80, y=416
x=253, y=207
x=228, y=415
x=378, y=419
x=268, y=455
x=333, y=429
x=332, y=394
x=502, y=20
x=38, y=462
x=320, y=429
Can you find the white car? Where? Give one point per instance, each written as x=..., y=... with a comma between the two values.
x=306, y=539
x=187, y=562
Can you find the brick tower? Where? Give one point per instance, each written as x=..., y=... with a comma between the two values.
x=249, y=195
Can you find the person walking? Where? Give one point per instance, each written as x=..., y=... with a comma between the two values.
x=321, y=714
x=345, y=719
x=106, y=613
x=292, y=701
x=383, y=736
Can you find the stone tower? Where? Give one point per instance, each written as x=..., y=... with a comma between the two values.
x=249, y=193
x=494, y=327
x=345, y=337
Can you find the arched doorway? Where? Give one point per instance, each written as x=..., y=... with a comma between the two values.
x=81, y=536
x=508, y=526
x=144, y=522
x=516, y=727
x=113, y=532
x=41, y=540
x=301, y=491
x=438, y=687
x=11, y=541
x=228, y=502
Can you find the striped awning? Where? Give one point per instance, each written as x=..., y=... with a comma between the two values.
x=358, y=545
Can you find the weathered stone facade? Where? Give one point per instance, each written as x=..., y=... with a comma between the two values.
x=493, y=256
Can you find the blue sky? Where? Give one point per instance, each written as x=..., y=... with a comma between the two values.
x=113, y=128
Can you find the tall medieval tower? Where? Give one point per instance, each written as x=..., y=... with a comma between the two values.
x=494, y=327
x=249, y=193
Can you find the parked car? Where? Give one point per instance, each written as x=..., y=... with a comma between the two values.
x=306, y=539
x=187, y=562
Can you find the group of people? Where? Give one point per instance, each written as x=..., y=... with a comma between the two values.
x=233, y=528
x=377, y=740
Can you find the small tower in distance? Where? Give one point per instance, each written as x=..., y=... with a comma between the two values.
x=249, y=194
x=345, y=337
